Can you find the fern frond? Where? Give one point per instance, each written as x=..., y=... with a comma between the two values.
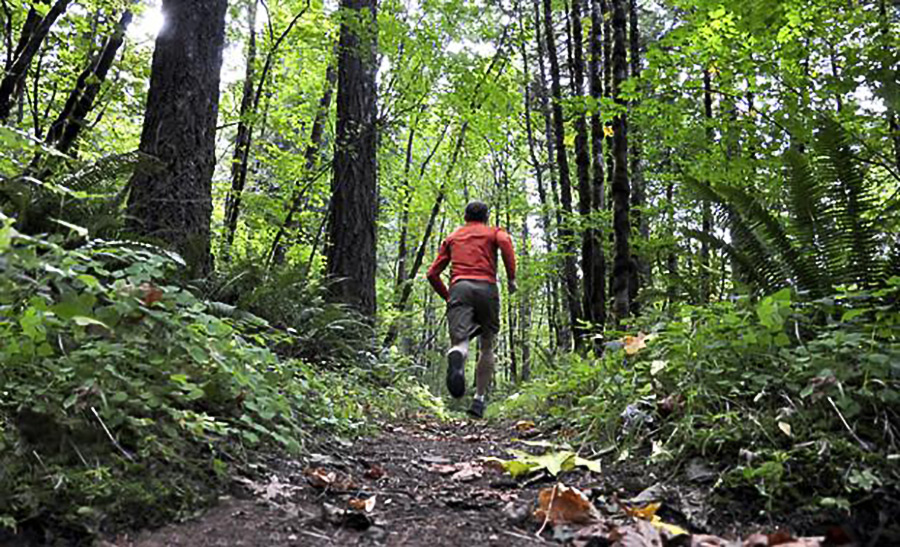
x=853, y=204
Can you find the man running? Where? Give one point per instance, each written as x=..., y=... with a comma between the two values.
x=473, y=302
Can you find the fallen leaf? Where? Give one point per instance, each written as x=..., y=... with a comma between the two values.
x=705, y=540
x=785, y=428
x=467, y=472
x=443, y=468
x=319, y=477
x=634, y=344
x=639, y=534
x=375, y=472
x=646, y=512
x=367, y=505
x=523, y=425
x=563, y=504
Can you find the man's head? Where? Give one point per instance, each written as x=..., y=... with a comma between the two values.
x=477, y=211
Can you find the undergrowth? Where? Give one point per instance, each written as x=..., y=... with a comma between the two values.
x=783, y=397
x=126, y=400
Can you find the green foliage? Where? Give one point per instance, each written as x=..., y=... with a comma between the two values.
x=825, y=238
x=126, y=399
x=318, y=330
x=786, y=397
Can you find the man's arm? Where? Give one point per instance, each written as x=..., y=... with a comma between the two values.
x=504, y=242
x=434, y=272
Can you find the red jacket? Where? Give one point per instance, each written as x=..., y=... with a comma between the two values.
x=471, y=252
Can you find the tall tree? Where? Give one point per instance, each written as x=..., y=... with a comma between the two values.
x=582, y=162
x=640, y=274
x=351, y=229
x=554, y=317
x=705, y=272
x=597, y=290
x=566, y=234
x=621, y=190
x=174, y=204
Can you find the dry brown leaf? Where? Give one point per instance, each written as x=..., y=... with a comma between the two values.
x=367, y=505
x=443, y=468
x=319, y=477
x=466, y=472
x=565, y=504
x=639, y=534
x=375, y=472
x=704, y=540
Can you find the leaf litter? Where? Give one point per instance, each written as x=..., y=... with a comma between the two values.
x=449, y=484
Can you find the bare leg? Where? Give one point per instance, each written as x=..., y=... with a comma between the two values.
x=484, y=372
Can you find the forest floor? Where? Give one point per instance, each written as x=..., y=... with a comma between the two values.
x=421, y=483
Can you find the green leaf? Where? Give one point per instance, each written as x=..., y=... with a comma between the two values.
x=84, y=321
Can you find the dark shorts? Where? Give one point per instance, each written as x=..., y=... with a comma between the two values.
x=473, y=309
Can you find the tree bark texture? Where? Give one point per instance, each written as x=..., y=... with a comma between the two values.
x=640, y=274
x=351, y=247
x=583, y=163
x=33, y=36
x=706, y=212
x=556, y=323
x=174, y=204
x=597, y=289
x=570, y=274
x=621, y=190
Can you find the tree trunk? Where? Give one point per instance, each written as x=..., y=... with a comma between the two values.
x=707, y=213
x=36, y=33
x=621, y=191
x=241, y=154
x=566, y=234
x=352, y=218
x=174, y=204
x=71, y=120
x=597, y=294
x=672, y=257
x=640, y=275
x=525, y=310
x=583, y=163
x=556, y=322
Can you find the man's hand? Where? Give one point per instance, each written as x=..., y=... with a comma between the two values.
x=512, y=286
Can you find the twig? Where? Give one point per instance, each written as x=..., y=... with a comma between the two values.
x=862, y=443
x=315, y=535
x=549, y=508
x=521, y=536
x=111, y=438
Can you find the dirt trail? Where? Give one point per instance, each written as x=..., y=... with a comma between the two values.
x=425, y=484
x=419, y=499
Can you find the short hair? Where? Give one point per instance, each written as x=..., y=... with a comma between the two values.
x=477, y=211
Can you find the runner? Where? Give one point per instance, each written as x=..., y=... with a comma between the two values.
x=473, y=301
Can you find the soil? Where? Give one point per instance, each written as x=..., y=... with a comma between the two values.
x=426, y=485
x=405, y=468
